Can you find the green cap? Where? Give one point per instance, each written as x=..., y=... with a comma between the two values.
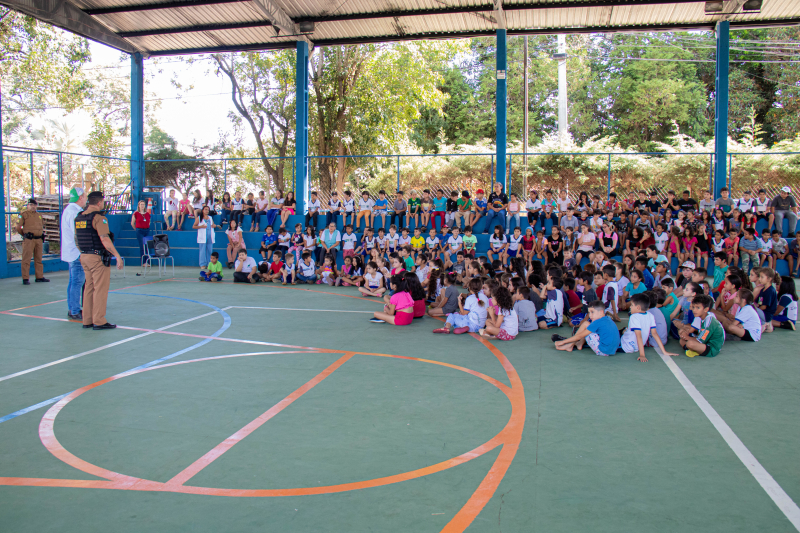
x=75, y=194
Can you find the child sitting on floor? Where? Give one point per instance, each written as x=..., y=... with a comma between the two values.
x=471, y=314
x=214, y=270
x=599, y=332
x=399, y=308
x=641, y=325
x=710, y=335
x=502, y=324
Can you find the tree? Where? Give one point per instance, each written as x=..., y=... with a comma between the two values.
x=169, y=167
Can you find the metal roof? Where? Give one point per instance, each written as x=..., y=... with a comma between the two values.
x=185, y=26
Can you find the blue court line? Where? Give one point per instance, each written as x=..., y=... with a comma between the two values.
x=225, y=325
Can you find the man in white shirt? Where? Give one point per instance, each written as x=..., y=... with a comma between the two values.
x=171, y=204
x=70, y=253
x=246, y=269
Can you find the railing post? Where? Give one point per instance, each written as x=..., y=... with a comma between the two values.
x=711, y=174
x=5, y=222
x=491, y=182
x=608, y=189
x=137, y=129
x=60, y=171
x=510, y=174
x=33, y=189
x=730, y=175
x=301, y=188
x=398, y=173
x=721, y=106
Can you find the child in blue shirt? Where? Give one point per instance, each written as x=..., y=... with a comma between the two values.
x=647, y=278
x=767, y=299
x=599, y=332
x=269, y=241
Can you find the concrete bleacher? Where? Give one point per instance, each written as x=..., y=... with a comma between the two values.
x=183, y=244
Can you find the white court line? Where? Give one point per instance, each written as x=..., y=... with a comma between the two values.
x=106, y=346
x=778, y=495
x=293, y=309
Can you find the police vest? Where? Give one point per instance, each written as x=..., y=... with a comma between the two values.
x=86, y=237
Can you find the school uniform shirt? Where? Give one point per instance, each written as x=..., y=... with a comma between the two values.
x=526, y=315
x=661, y=240
x=392, y=240
x=365, y=205
x=238, y=204
x=514, y=242
x=533, y=205
x=643, y=322
x=747, y=316
x=711, y=333
x=762, y=206
x=283, y=240
x=248, y=265
x=334, y=205
x=381, y=242
x=432, y=242
x=789, y=307
x=349, y=205
x=455, y=242
x=368, y=242
x=307, y=270
x=477, y=312
x=661, y=326
x=608, y=333
x=768, y=298
x=349, y=241
x=554, y=306
x=718, y=246
x=510, y=322
x=496, y=243
x=373, y=281
x=313, y=206
x=610, y=294
x=404, y=241
x=745, y=205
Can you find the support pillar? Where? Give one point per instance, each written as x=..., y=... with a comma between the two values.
x=301, y=128
x=721, y=107
x=137, y=128
x=4, y=258
x=501, y=103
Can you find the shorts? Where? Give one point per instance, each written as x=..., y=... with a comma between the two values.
x=403, y=319
x=380, y=212
x=349, y=253
x=469, y=253
x=513, y=253
x=593, y=340
x=504, y=336
x=762, y=216
x=268, y=248
x=747, y=337
x=706, y=351
x=782, y=318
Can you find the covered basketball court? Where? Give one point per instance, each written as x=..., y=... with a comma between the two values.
x=221, y=407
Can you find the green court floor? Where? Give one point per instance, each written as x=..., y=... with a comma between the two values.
x=284, y=409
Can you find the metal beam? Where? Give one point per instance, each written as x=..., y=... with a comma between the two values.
x=137, y=128
x=499, y=16
x=301, y=127
x=69, y=17
x=721, y=107
x=280, y=20
x=189, y=29
x=150, y=7
x=501, y=102
x=488, y=7
x=4, y=258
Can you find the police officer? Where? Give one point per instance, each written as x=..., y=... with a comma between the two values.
x=31, y=228
x=94, y=242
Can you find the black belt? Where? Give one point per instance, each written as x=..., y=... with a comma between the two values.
x=31, y=236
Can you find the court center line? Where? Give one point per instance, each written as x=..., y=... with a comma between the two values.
x=294, y=309
x=100, y=348
x=225, y=325
x=193, y=469
x=767, y=482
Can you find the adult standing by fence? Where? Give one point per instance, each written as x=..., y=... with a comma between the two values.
x=204, y=225
x=94, y=241
x=31, y=227
x=70, y=253
x=498, y=201
x=782, y=206
x=140, y=222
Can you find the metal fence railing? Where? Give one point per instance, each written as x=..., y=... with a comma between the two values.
x=48, y=173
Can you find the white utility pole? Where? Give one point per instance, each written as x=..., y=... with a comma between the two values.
x=562, y=86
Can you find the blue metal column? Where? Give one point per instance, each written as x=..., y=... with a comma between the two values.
x=4, y=258
x=137, y=128
x=501, y=103
x=721, y=107
x=301, y=128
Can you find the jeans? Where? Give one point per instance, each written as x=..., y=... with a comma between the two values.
x=313, y=218
x=491, y=215
x=75, y=286
x=332, y=216
x=272, y=214
x=140, y=235
x=401, y=218
x=205, y=252
x=256, y=218
x=790, y=216
x=511, y=217
x=237, y=215
x=311, y=278
x=226, y=215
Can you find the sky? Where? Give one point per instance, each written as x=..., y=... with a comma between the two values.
x=195, y=119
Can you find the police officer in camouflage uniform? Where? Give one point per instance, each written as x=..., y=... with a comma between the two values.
x=31, y=227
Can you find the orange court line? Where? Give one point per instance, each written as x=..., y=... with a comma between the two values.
x=228, y=443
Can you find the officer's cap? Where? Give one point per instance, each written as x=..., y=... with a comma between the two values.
x=95, y=194
x=33, y=201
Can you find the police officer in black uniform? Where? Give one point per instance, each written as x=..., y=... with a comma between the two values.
x=94, y=240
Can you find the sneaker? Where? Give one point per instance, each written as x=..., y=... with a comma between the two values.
x=442, y=330
x=377, y=320
x=788, y=325
x=555, y=337
x=459, y=331
x=42, y=280
x=691, y=353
